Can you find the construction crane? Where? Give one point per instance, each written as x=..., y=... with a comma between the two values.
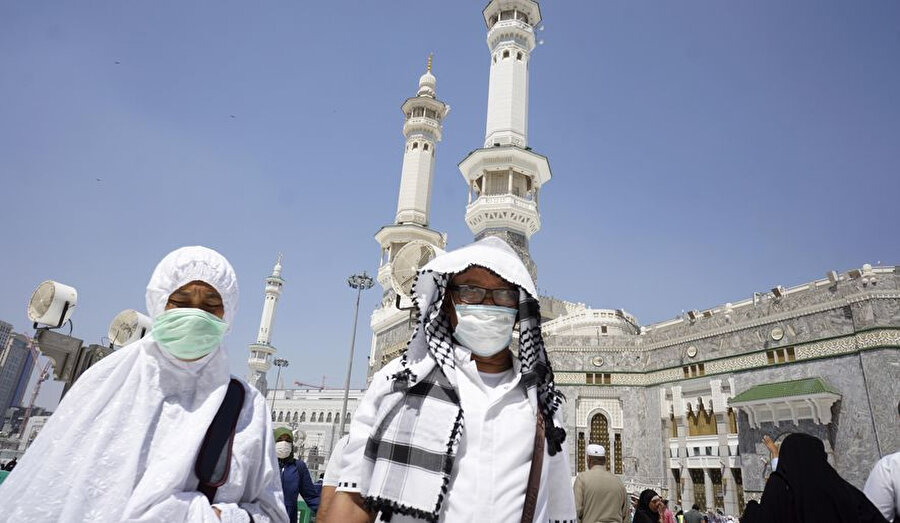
x=310, y=385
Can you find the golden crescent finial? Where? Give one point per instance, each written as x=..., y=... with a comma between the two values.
x=430, y=56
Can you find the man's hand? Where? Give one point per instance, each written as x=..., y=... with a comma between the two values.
x=773, y=448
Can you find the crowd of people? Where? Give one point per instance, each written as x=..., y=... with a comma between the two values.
x=458, y=429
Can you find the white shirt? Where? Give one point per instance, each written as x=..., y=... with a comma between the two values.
x=883, y=486
x=490, y=475
x=333, y=469
x=491, y=472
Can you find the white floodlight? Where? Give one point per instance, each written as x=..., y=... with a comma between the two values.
x=854, y=273
x=692, y=314
x=128, y=326
x=52, y=304
x=778, y=291
x=406, y=264
x=832, y=277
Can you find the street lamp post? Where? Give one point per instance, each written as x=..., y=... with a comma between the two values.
x=359, y=282
x=279, y=362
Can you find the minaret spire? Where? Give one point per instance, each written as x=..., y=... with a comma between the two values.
x=505, y=176
x=262, y=351
x=422, y=127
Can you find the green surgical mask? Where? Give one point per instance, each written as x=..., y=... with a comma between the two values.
x=188, y=334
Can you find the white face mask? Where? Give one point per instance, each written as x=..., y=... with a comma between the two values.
x=283, y=449
x=484, y=329
x=774, y=463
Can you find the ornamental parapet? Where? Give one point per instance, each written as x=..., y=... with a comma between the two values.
x=503, y=211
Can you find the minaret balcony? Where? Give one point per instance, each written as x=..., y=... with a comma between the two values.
x=503, y=211
x=515, y=30
x=424, y=125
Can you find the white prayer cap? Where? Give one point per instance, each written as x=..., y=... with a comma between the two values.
x=596, y=451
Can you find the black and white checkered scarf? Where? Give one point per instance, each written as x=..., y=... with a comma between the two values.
x=419, y=425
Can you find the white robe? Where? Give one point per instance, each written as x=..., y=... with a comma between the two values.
x=122, y=444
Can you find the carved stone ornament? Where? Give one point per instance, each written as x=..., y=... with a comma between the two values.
x=777, y=333
x=597, y=361
x=692, y=352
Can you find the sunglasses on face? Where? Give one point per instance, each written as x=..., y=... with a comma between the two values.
x=473, y=295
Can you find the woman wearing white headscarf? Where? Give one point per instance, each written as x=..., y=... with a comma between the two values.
x=123, y=443
x=459, y=428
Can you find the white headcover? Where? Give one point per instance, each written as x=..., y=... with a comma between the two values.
x=122, y=444
x=491, y=252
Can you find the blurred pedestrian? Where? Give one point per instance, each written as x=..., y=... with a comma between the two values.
x=600, y=497
x=693, y=515
x=647, y=510
x=883, y=485
x=803, y=487
x=295, y=478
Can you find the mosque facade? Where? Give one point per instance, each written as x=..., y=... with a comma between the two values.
x=680, y=405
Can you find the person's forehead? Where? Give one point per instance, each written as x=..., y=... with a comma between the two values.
x=478, y=274
x=197, y=286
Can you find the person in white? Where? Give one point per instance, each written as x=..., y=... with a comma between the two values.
x=449, y=431
x=122, y=444
x=883, y=485
x=332, y=477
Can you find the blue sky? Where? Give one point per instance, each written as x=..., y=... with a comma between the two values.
x=700, y=150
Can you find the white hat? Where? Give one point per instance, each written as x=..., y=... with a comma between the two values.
x=596, y=451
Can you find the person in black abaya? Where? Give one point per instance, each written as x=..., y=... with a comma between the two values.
x=647, y=510
x=804, y=488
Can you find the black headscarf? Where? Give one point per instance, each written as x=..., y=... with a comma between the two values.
x=806, y=489
x=643, y=513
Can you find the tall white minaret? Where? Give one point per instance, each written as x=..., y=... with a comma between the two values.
x=262, y=351
x=422, y=127
x=505, y=176
x=423, y=117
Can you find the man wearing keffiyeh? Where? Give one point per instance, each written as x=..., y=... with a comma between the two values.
x=447, y=431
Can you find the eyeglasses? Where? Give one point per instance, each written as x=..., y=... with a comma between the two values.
x=472, y=295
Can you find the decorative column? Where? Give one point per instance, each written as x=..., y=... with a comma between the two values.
x=729, y=483
x=687, y=496
x=708, y=489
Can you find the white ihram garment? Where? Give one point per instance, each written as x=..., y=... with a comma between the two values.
x=123, y=442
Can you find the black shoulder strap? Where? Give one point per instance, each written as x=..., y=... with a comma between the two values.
x=214, y=459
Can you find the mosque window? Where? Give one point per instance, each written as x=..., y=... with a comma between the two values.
x=598, y=378
x=321, y=417
x=603, y=329
x=281, y=415
x=519, y=56
x=296, y=414
x=581, y=452
x=617, y=446
x=506, y=53
x=337, y=417
x=600, y=432
x=273, y=415
x=495, y=59
x=348, y=417
x=415, y=145
x=781, y=355
x=302, y=417
x=328, y=419
x=693, y=371
x=425, y=147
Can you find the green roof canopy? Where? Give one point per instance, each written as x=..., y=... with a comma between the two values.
x=784, y=389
